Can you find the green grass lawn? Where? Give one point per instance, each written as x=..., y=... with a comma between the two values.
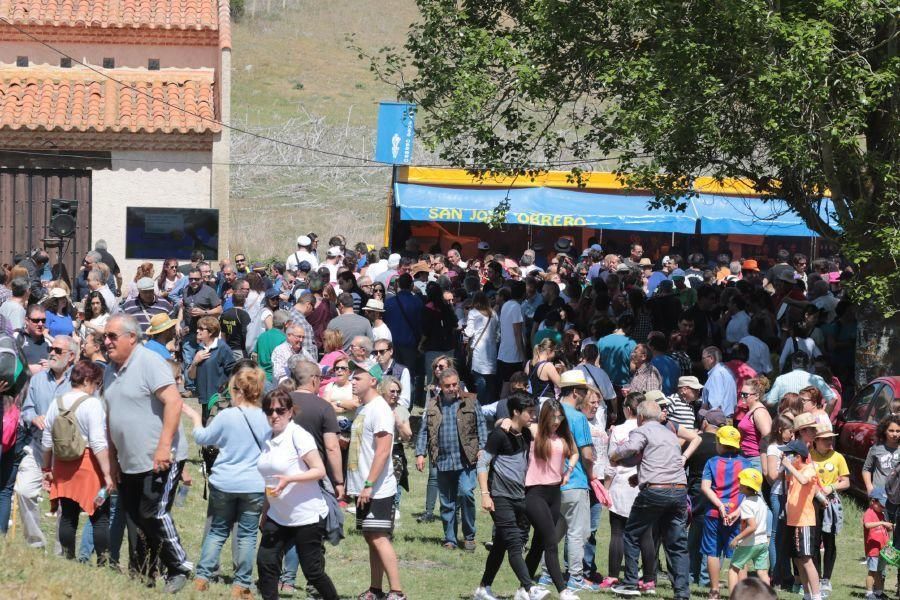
x=427, y=570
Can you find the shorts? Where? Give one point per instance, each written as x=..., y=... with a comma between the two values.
x=753, y=558
x=804, y=541
x=376, y=516
x=717, y=536
x=876, y=564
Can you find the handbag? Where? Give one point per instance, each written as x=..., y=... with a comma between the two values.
x=601, y=493
x=10, y=427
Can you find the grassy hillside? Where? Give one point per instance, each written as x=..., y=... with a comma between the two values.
x=294, y=78
x=296, y=61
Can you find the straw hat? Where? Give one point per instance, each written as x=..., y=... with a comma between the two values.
x=160, y=323
x=374, y=305
x=824, y=430
x=575, y=378
x=804, y=420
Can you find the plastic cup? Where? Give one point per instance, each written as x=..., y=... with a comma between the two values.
x=271, y=484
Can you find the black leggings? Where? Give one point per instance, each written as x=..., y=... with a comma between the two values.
x=510, y=532
x=617, y=548
x=542, y=508
x=68, y=526
x=824, y=561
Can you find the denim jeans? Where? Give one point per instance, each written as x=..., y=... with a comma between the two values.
x=9, y=468
x=667, y=509
x=778, y=545
x=457, y=487
x=485, y=387
x=116, y=533
x=590, y=546
x=189, y=348
x=226, y=509
x=431, y=490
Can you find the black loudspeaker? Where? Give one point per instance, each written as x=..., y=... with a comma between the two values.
x=63, y=214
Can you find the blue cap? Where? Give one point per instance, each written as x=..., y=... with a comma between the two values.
x=878, y=494
x=271, y=293
x=304, y=266
x=795, y=447
x=597, y=247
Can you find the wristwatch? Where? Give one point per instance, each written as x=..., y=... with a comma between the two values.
x=368, y=484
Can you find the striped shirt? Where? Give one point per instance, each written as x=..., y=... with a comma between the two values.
x=722, y=472
x=680, y=412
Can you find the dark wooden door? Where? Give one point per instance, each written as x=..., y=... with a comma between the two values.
x=25, y=196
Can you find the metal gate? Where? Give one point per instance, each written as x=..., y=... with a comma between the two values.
x=25, y=196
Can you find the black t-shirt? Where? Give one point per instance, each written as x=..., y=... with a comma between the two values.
x=35, y=350
x=510, y=462
x=696, y=463
x=665, y=310
x=317, y=416
x=204, y=298
x=235, y=322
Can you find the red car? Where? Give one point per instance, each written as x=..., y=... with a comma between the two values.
x=858, y=421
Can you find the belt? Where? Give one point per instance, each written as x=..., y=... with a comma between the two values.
x=671, y=486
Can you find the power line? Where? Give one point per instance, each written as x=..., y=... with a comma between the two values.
x=369, y=162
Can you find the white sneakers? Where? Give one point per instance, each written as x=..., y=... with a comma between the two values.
x=568, y=594
x=537, y=593
x=484, y=593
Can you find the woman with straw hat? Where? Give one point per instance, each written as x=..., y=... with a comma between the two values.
x=161, y=335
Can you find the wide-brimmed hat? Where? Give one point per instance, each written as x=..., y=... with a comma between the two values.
x=690, y=381
x=575, y=378
x=750, y=265
x=374, y=305
x=419, y=267
x=159, y=323
x=563, y=245
x=645, y=262
x=56, y=293
x=751, y=478
x=787, y=277
x=824, y=430
x=804, y=420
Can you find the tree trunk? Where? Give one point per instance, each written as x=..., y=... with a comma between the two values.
x=877, y=346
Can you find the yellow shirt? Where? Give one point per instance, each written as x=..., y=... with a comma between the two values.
x=829, y=467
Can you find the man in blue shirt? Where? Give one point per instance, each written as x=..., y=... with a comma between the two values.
x=720, y=390
x=403, y=316
x=666, y=365
x=453, y=434
x=575, y=504
x=615, y=351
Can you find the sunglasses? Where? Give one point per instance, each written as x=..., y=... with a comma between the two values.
x=279, y=410
x=241, y=260
x=111, y=336
x=37, y=320
x=341, y=369
x=53, y=350
x=193, y=279
x=380, y=352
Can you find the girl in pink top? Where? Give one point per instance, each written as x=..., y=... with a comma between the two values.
x=756, y=423
x=552, y=459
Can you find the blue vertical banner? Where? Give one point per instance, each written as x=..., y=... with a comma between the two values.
x=396, y=130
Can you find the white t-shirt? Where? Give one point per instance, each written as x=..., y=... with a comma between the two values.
x=760, y=359
x=381, y=332
x=792, y=345
x=14, y=313
x=299, y=503
x=293, y=261
x=372, y=418
x=778, y=484
x=753, y=507
x=510, y=314
x=90, y=417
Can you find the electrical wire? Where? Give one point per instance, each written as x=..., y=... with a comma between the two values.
x=370, y=163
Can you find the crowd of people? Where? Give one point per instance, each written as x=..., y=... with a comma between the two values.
x=695, y=399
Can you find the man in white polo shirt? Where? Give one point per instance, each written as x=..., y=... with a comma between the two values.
x=370, y=477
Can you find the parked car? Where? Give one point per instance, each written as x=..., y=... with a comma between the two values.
x=858, y=421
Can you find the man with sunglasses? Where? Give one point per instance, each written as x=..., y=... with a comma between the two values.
x=384, y=355
x=32, y=338
x=147, y=449
x=45, y=385
x=200, y=300
x=241, y=265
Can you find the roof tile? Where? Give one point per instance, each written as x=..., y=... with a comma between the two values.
x=72, y=100
x=163, y=14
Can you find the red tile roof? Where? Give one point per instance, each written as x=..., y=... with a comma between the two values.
x=164, y=14
x=74, y=100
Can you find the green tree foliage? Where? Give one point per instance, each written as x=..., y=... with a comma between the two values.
x=793, y=97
